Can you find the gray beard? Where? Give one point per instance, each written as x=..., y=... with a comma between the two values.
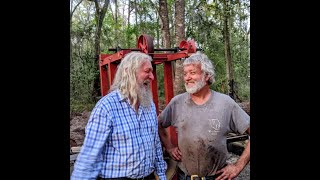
x=145, y=96
x=198, y=85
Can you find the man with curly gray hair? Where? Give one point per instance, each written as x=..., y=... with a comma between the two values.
x=122, y=140
x=203, y=118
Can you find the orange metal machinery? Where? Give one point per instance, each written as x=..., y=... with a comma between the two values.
x=108, y=66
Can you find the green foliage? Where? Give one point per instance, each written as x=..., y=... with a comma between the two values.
x=82, y=62
x=80, y=106
x=82, y=73
x=160, y=79
x=205, y=26
x=203, y=22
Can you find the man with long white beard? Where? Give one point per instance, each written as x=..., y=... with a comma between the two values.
x=203, y=118
x=122, y=140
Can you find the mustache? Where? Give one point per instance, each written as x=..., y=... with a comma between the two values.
x=191, y=81
x=146, y=82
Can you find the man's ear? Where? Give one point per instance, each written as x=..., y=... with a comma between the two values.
x=207, y=77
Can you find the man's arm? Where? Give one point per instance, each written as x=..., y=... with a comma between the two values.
x=164, y=137
x=245, y=156
x=233, y=170
x=88, y=165
x=173, y=151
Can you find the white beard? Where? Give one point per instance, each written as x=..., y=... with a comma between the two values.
x=145, y=95
x=197, y=86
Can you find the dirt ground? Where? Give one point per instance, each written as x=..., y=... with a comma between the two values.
x=78, y=122
x=77, y=126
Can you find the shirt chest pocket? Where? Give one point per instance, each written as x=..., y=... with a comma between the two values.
x=148, y=128
x=120, y=140
x=120, y=136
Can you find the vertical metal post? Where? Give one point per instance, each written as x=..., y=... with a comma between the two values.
x=154, y=88
x=104, y=81
x=168, y=88
x=112, y=69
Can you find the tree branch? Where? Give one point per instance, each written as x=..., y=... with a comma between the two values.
x=71, y=14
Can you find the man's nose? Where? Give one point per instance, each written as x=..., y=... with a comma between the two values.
x=187, y=77
x=151, y=76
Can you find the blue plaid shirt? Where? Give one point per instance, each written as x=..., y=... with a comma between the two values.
x=120, y=142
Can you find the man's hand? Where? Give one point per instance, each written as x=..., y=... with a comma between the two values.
x=229, y=172
x=175, y=153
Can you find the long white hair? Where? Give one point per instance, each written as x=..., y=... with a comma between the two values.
x=125, y=79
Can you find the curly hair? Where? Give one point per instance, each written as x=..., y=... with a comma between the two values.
x=206, y=65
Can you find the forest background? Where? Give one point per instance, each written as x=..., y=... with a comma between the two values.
x=220, y=27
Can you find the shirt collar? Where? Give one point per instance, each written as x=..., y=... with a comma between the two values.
x=120, y=96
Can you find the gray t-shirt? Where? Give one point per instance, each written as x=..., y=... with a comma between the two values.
x=202, y=130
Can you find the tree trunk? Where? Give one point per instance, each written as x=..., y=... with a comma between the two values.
x=128, y=34
x=179, y=36
x=99, y=16
x=227, y=50
x=158, y=32
x=71, y=14
x=163, y=13
x=136, y=18
x=116, y=29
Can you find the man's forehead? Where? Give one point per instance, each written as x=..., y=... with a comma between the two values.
x=147, y=65
x=192, y=66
